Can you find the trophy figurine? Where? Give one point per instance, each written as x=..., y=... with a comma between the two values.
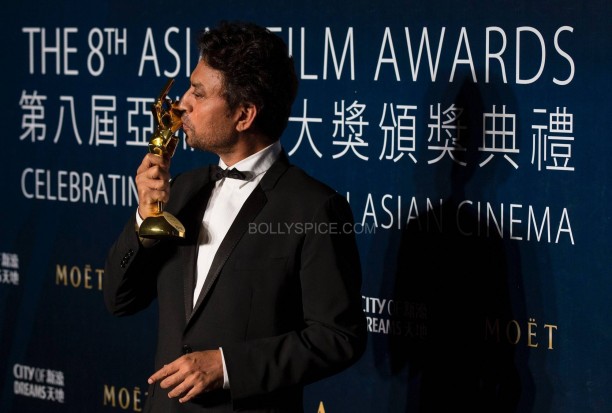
x=163, y=225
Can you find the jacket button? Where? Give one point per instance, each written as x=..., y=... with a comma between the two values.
x=186, y=349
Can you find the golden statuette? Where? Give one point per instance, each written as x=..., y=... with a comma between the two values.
x=164, y=225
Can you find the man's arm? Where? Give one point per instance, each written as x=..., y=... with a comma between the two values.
x=129, y=282
x=129, y=276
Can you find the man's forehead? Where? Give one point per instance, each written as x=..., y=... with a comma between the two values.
x=204, y=76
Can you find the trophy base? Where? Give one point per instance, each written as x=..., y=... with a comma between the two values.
x=163, y=226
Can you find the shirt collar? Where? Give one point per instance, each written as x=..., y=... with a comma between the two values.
x=259, y=162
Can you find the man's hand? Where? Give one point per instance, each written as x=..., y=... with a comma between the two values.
x=153, y=183
x=191, y=374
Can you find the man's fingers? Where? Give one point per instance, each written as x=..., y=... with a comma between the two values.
x=191, y=375
x=195, y=390
x=182, y=388
x=174, y=381
x=155, y=173
x=153, y=161
x=160, y=374
x=196, y=383
x=153, y=183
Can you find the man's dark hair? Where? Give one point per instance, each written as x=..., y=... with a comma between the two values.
x=257, y=69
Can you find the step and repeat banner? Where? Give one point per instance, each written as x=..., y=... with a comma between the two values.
x=470, y=137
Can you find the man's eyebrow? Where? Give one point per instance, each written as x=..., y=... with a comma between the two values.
x=199, y=86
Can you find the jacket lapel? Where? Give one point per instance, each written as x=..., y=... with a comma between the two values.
x=191, y=203
x=195, y=214
x=247, y=213
x=254, y=203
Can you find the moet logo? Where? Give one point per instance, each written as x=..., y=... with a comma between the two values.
x=123, y=398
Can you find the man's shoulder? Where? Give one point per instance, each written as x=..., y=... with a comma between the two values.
x=298, y=177
x=192, y=175
x=185, y=185
x=192, y=179
x=297, y=189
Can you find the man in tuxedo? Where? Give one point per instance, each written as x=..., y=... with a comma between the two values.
x=262, y=296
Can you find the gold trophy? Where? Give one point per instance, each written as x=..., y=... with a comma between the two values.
x=164, y=225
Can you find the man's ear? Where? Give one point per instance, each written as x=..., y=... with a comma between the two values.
x=246, y=117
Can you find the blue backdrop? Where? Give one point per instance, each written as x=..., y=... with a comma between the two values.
x=469, y=136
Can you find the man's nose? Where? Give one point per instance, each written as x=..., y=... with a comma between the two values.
x=183, y=104
x=178, y=109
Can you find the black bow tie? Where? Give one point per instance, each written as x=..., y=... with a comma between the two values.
x=218, y=173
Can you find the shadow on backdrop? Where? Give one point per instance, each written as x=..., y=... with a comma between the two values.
x=451, y=289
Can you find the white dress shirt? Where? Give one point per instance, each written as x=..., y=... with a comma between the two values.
x=225, y=202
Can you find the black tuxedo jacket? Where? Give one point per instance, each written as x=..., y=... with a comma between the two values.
x=282, y=298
